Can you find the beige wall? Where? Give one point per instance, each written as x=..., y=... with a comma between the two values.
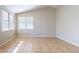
x=67, y=23
x=44, y=23
x=6, y=35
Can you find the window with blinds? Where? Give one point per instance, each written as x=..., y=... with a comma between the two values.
x=11, y=22
x=7, y=21
x=25, y=23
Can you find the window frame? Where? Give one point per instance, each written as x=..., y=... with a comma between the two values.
x=11, y=23
x=25, y=21
x=8, y=17
x=2, y=16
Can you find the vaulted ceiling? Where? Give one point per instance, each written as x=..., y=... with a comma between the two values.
x=21, y=8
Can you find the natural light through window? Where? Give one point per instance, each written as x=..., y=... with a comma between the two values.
x=5, y=21
x=11, y=22
x=25, y=23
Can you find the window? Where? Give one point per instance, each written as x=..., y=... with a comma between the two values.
x=25, y=23
x=22, y=23
x=29, y=23
x=11, y=22
x=5, y=21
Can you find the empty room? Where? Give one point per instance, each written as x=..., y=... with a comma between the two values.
x=39, y=28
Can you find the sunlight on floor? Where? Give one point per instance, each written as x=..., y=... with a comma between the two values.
x=17, y=47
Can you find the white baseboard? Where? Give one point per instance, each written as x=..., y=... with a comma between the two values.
x=69, y=41
x=33, y=36
x=8, y=40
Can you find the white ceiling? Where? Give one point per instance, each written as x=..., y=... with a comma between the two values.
x=21, y=8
